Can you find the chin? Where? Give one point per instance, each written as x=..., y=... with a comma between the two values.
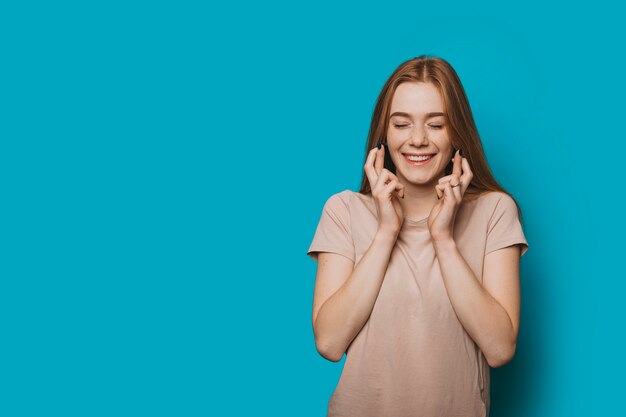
x=423, y=179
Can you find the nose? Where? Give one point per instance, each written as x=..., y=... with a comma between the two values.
x=419, y=137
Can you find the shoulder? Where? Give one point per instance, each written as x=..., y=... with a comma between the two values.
x=498, y=205
x=352, y=202
x=348, y=198
x=340, y=198
x=496, y=198
x=339, y=202
x=494, y=203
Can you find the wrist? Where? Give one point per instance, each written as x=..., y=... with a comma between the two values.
x=444, y=244
x=386, y=236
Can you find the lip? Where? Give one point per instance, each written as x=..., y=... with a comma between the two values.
x=414, y=163
x=419, y=154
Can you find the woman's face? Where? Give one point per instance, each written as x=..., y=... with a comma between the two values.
x=416, y=128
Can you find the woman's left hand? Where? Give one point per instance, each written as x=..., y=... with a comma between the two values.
x=450, y=192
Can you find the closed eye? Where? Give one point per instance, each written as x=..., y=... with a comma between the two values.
x=434, y=126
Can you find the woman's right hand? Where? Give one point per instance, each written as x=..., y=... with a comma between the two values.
x=386, y=190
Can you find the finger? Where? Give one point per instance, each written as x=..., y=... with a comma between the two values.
x=457, y=191
x=387, y=175
x=453, y=179
x=439, y=189
x=393, y=176
x=444, y=179
x=379, y=162
x=394, y=187
x=383, y=179
x=448, y=193
x=370, y=171
x=467, y=176
x=452, y=194
x=456, y=167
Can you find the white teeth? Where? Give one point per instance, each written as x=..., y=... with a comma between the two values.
x=418, y=158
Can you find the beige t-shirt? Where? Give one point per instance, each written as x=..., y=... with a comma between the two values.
x=413, y=357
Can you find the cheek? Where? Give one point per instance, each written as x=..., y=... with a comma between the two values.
x=393, y=133
x=444, y=144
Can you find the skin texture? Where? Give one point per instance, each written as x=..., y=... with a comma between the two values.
x=345, y=293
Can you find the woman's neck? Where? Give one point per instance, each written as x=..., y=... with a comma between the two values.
x=418, y=201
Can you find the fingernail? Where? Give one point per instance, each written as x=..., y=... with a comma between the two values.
x=460, y=152
x=378, y=144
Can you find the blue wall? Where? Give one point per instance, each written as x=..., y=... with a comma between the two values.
x=164, y=165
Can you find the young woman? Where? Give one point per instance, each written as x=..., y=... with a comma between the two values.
x=418, y=272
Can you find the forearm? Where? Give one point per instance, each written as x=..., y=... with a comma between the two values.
x=484, y=319
x=345, y=313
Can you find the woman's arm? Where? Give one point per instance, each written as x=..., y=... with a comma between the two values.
x=342, y=313
x=488, y=312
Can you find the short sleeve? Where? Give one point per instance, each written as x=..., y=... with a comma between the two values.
x=333, y=233
x=504, y=227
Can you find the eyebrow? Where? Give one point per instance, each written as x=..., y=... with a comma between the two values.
x=428, y=115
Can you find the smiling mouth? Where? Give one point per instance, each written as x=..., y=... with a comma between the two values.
x=418, y=160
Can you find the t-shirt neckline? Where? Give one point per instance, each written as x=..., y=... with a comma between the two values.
x=415, y=222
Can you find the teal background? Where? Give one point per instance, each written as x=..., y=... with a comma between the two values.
x=163, y=166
